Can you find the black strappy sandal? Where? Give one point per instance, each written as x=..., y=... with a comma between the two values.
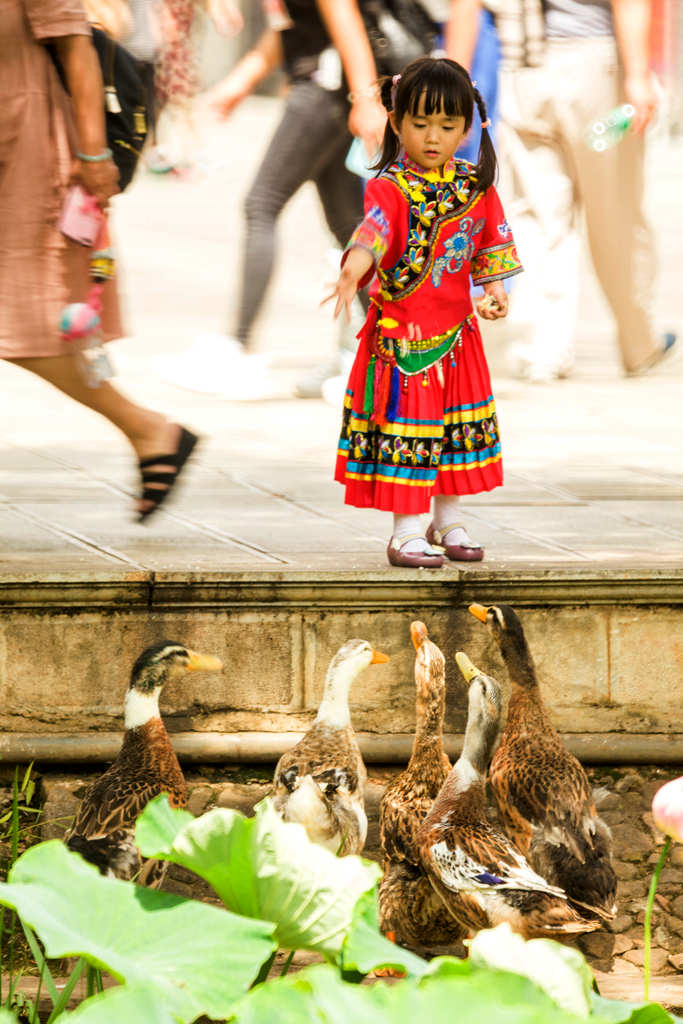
x=186, y=444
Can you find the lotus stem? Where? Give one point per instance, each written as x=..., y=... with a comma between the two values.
x=287, y=964
x=648, y=915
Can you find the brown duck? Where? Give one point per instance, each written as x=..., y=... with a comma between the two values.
x=319, y=783
x=410, y=911
x=477, y=872
x=542, y=792
x=104, y=829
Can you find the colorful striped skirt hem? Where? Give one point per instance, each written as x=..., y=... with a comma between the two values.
x=441, y=438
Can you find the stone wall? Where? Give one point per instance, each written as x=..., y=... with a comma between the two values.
x=608, y=669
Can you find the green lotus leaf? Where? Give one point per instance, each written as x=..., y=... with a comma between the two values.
x=266, y=868
x=154, y=831
x=319, y=994
x=365, y=948
x=196, y=958
x=133, y=1004
x=619, y=1012
x=6, y=1017
x=561, y=972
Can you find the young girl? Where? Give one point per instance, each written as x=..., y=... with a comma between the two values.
x=419, y=416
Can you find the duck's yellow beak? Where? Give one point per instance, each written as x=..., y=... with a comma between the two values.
x=418, y=634
x=478, y=611
x=203, y=663
x=378, y=658
x=468, y=670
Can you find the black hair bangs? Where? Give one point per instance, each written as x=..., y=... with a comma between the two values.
x=443, y=87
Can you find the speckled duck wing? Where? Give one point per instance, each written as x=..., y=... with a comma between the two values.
x=111, y=804
x=546, y=804
x=330, y=756
x=320, y=783
x=537, y=783
x=146, y=767
x=484, y=880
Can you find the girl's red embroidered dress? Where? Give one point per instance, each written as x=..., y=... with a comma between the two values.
x=419, y=416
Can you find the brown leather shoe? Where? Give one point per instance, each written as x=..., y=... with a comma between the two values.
x=412, y=559
x=456, y=552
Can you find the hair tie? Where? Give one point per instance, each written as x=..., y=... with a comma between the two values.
x=486, y=123
x=394, y=86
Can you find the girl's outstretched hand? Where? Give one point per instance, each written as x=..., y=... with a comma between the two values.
x=494, y=305
x=358, y=262
x=344, y=291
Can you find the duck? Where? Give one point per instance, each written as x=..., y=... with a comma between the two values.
x=544, y=798
x=410, y=912
x=319, y=783
x=103, y=831
x=480, y=876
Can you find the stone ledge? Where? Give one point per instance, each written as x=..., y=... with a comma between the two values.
x=328, y=590
x=266, y=748
x=58, y=591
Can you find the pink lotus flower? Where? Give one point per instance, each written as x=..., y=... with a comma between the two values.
x=667, y=809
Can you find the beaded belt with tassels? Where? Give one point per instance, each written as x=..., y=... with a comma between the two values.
x=403, y=356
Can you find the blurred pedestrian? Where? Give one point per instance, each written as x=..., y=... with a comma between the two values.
x=567, y=63
x=324, y=49
x=471, y=39
x=49, y=140
x=419, y=415
x=176, y=78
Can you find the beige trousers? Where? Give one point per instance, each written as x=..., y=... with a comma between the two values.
x=549, y=177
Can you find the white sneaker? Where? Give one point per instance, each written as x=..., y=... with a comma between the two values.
x=525, y=364
x=334, y=389
x=216, y=364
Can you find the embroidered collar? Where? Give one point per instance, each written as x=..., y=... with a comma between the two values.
x=456, y=175
x=451, y=170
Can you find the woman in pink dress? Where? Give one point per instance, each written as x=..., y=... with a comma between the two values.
x=48, y=139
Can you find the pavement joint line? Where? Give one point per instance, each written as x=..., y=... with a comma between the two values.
x=79, y=539
x=209, y=531
x=656, y=475
x=305, y=507
x=223, y=535
x=600, y=508
x=75, y=468
x=552, y=545
x=556, y=489
x=627, y=517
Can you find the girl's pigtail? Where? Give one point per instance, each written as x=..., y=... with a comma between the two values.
x=487, y=164
x=391, y=147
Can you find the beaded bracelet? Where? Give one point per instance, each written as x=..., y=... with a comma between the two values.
x=97, y=158
x=370, y=92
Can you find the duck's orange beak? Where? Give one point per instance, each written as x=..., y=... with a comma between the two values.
x=203, y=663
x=378, y=658
x=418, y=633
x=478, y=611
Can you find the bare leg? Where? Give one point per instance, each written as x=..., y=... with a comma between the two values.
x=149, y=432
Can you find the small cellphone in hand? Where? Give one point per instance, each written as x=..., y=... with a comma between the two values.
x=81, y=217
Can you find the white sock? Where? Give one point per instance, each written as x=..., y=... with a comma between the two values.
x=447, y=511
x=404, y=526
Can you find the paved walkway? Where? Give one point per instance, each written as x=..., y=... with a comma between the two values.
x=594, y=465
